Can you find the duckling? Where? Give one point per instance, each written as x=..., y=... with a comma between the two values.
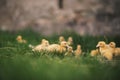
x=112, y=44
x=20, y=40
x=102, y=46
x=116, y=49
x=52, y=47
x=70, y=41
x=62, y=47
x=69, y=51
x=105, y=50
x=43, y=41
x=43, y=46
x=94, y=52
x=117, y=52
x=78, y=51
x=59, y=48
x=61, y=38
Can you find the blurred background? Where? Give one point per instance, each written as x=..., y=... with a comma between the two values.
x=93, y=17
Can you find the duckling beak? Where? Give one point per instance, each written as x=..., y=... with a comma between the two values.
x=67, y=46
x=97, y=46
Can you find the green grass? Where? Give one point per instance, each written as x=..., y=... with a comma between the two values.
x=18, y=62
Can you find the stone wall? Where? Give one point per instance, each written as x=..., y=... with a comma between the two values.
x=46, y=17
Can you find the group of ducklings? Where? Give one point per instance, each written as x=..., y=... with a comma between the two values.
x=106, y=50
x=62, y=46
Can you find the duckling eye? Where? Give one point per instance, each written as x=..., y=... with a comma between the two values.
x=112, y=44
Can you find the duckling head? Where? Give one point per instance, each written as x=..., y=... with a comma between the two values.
x=101, y=44
x=63, y=44
x=19, y=37
x=70, y=49
x=61, y=38
x=70, y=39
x=78, y=46
x=43, y=40
x=46, y=43
x=112, y=44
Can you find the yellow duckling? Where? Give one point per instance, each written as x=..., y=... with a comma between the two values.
x=61, y=38
x=105, y=50
x=70, y=41
x=20, y=40
x=69, y=51
x=56, y=47
x=62, y=47
x=94, y=52
x=112, y=44
x=52, y=47
x=116, y=49
x=43, y=46
x=78, y=51
x=117, y=52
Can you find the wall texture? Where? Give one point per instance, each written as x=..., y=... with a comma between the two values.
x=46, y=17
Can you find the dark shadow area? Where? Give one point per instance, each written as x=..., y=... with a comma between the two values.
x=2, y=3
x=60, y=4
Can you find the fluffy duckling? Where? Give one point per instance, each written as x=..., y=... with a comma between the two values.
x=112, y=44
x=62, y=47
x=69, y=51
x=116, y=50
x=78, y=51
x=94, y=52
x=61, y=38
x=43, y=41
x=43, y=46
x=59, y=48
x=52, y=47
x=105, y=50
x=70, y=41
x=102, y=46
x=20, y=40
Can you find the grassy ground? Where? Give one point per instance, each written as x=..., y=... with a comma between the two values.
x=18, y=62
